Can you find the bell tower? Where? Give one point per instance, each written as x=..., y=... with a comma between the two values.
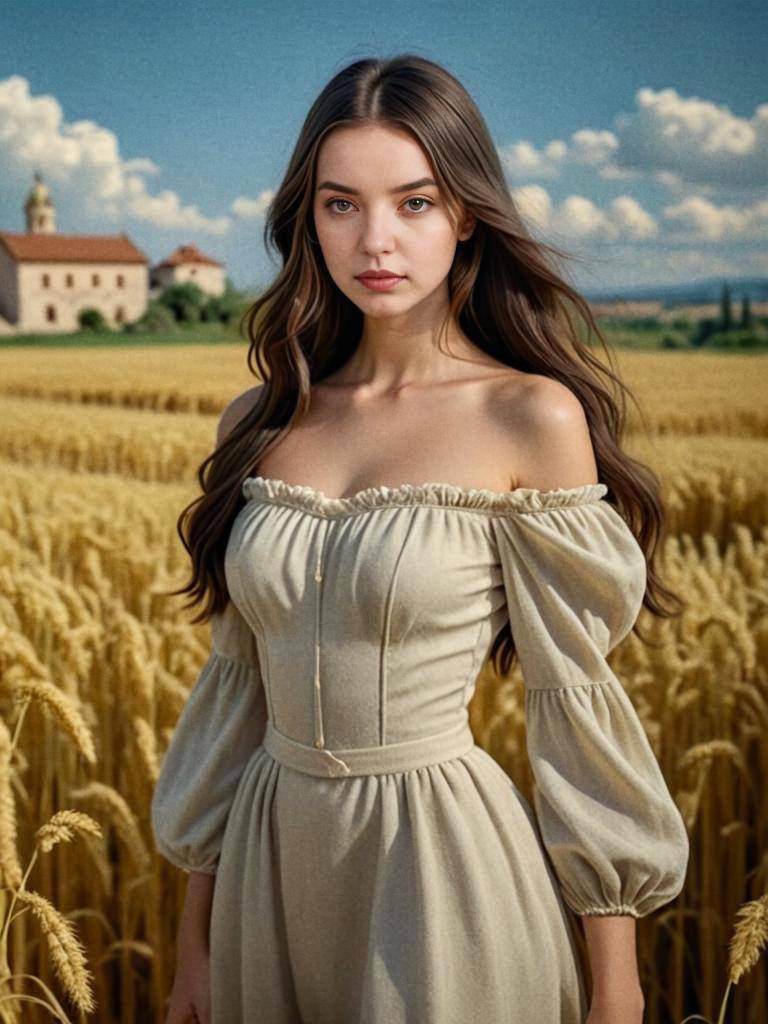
x=39, y=211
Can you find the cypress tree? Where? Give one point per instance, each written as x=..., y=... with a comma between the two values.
x=726, y=311
x=746, y=313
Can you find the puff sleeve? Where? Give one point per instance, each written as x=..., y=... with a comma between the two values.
x=574, y=578
x=221, y=724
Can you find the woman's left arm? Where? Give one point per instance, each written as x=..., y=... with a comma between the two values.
x=617, y=997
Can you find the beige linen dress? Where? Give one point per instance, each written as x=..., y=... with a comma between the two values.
x=373, y=864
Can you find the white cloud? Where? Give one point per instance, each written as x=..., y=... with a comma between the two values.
x=587, y=147
x=523, y=160
x=592, y=147
x=578, y=217
x=252, y=209
x=534, y=204
x=694, y=140
x=675, y=139
x=696, y=218
x=84, y=159
x=631, y=220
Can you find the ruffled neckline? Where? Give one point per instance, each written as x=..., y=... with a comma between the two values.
x=522, y=499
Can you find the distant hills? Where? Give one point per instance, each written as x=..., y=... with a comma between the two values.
x=691, y=293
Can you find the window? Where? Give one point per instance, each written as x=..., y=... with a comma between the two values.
x=46, y=281
x=50, y=314
x=119, y=315
x=120, y=281
x=95, y=279
x=70, y=280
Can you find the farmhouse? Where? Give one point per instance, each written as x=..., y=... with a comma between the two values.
x=187, y=263
x=46, y=278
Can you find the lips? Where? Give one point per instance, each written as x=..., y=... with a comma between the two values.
x=378, y=274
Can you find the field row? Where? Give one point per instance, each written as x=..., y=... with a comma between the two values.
x=681, y=393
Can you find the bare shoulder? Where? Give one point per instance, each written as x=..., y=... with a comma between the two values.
x=549, y=427
x=236, y=410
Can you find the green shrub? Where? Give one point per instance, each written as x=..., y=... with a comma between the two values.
x=91, y=319
x=185, y=301
x=156, y=319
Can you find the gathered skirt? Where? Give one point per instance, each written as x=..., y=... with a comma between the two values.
x=418, y=896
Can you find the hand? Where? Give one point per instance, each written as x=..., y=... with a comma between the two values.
x=190, y=1001
x=624, y=1009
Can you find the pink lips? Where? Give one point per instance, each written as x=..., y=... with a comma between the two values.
x=380, y=284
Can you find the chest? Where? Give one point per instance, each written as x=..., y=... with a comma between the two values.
x=359, y=572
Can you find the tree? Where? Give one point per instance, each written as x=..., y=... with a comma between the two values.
x=747, y=320
x=185, y=301
x=726, y=310
x=156, y=319
x=91, y=319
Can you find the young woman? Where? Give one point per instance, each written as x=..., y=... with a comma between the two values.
x=429, y=475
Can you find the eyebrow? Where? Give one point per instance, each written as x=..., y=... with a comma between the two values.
x=334, y=186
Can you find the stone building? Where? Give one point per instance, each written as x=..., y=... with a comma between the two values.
x=46, y=278
x=187, y=263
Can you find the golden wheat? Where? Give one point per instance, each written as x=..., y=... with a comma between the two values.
x=67, y=952
x=88, y=542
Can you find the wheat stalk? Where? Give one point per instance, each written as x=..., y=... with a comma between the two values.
x=750, y=936
x=64, y=710
x=9, y=857
x=67, y=953
x=121, y=816
x=63, y=826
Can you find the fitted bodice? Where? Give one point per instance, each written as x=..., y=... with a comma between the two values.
x=373, y=613
x=349, y=650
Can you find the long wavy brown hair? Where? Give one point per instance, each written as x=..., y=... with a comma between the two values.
x=506, y=294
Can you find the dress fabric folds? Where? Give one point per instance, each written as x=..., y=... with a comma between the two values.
x=373, y=864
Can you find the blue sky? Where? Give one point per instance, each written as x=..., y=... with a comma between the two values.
x=634, y=134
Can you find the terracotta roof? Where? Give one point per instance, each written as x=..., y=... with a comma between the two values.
x=55, y=248
x=188, y=254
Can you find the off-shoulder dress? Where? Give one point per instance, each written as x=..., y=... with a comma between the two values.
x=374, y=865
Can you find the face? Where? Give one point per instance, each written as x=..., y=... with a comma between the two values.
x=365, y=219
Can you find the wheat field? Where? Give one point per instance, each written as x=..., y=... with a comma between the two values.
x=98, y=452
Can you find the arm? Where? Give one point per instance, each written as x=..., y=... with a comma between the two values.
x=556, y=452
x=196, y=915
x=613, y=962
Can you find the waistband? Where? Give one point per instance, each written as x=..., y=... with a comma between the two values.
x=392, y=757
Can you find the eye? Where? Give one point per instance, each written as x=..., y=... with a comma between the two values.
x=414, y=199
x=420, y=199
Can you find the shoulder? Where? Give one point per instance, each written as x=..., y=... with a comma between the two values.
x=550, y=431
x=236, y=410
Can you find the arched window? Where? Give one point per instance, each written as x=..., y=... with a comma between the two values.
x=70, y=280
x=95, y=279
x=119, y=315
x=46, y=280
x=50, y=314
x=120, y=281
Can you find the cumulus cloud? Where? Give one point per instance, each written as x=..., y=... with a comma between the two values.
x=84, y=158
x=252, y=209
x=694, y=140
x=623, y=218
x=696, y=218
x=522, y=160
x=677, y=140
x=587, y=147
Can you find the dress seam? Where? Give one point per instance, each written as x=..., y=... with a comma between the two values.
x=568, y=686
x=487, y=512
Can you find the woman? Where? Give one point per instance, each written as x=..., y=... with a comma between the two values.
x=371, y=862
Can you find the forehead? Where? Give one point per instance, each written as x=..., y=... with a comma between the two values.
x=372, y=156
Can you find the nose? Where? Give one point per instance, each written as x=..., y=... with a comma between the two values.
x=376, y=234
